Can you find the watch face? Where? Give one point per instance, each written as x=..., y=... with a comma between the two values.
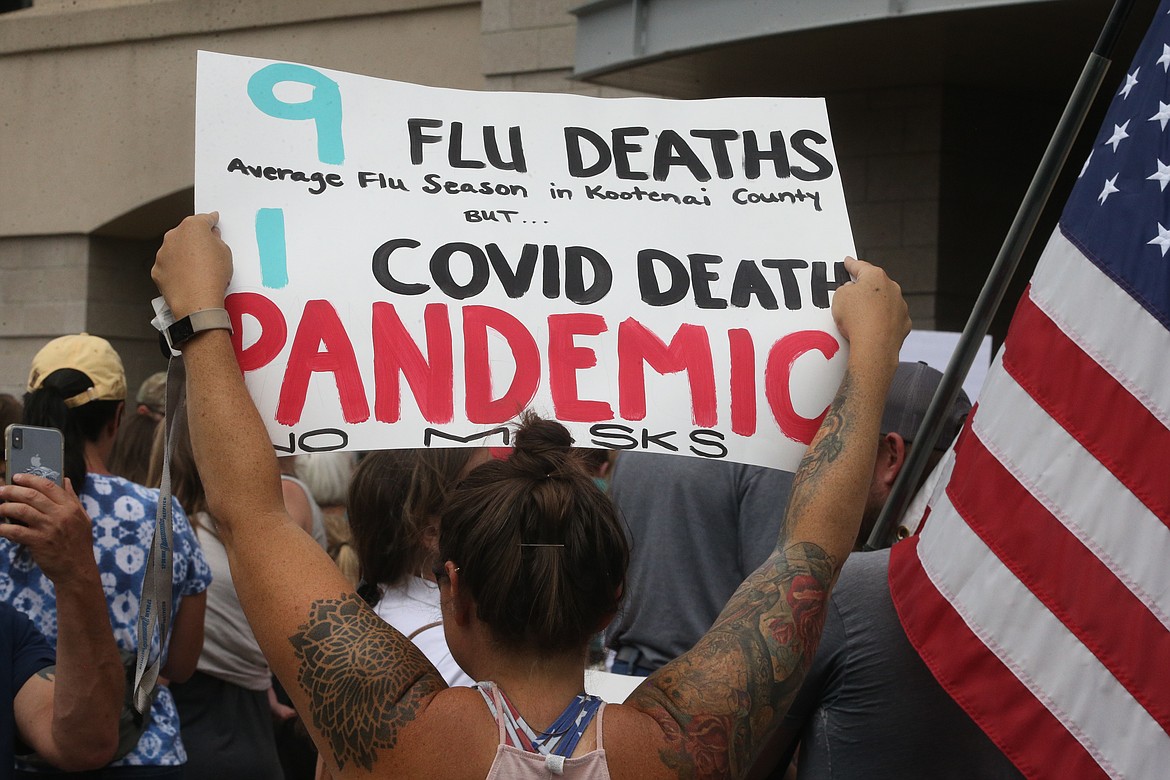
x=181, y=331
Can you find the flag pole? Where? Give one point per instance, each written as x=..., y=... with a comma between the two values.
x=1001, y=274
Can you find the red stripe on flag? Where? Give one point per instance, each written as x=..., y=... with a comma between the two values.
x=1066, y=576
x=978, y=681
x=1090, y=404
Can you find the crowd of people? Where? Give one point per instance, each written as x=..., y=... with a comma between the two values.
x=430, y=613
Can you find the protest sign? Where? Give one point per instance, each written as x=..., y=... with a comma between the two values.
x=415, y=266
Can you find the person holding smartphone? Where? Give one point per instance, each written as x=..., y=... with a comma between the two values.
x=77, y=385
x=65, y=710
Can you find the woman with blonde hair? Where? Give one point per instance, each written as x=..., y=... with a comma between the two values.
x=327, y=475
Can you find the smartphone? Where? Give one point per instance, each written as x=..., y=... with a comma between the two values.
x=32, y=450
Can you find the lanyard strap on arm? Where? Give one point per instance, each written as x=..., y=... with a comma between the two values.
x=155, y=605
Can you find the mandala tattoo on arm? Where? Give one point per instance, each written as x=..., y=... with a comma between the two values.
x=364, y=680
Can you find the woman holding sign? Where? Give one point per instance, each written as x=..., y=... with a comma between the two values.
x=533, y=562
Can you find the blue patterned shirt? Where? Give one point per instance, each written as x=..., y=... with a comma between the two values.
x=123, y=526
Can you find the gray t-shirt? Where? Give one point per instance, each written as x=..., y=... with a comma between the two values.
x=870, y=707
x=318, y=532
x=230, y=651
x=697, y=528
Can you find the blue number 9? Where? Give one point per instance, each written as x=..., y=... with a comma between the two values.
x=324, y=107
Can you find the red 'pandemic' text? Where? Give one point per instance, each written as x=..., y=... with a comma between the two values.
x=322, y=345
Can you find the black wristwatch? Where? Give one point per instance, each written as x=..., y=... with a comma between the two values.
x=177, y=333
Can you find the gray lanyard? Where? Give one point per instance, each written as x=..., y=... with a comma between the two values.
x=154, y=607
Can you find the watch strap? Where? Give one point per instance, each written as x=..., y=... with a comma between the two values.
x=197, y=322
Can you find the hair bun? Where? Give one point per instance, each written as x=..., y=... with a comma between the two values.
x=541, y=446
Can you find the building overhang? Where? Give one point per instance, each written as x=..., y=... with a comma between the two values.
x=700, y=48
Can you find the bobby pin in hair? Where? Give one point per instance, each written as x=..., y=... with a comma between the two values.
x=527, y=544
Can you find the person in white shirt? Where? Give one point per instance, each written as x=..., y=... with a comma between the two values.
x=394, y=502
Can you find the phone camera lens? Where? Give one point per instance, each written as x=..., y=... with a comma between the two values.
x=17, y=440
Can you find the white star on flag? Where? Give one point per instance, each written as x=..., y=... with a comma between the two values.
x=1108, y=190
x=1163, y=114
x=1130, y=82
x=1162, y=239
x=1161, y=176
x=1085, y=167
x=1119, y=135
x=1164, y=60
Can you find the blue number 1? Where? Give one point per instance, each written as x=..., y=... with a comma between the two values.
x=270, y=241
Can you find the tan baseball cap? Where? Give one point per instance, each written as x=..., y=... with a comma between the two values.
x=92, y=356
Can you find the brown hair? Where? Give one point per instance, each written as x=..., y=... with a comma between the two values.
x=539, y=546
x=186, y=484
x=10, y=410
x=133, y=447
x=394, y=497
x=339, y=544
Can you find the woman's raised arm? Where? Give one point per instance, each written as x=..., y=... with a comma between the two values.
x=717, y=703
x=357, y=678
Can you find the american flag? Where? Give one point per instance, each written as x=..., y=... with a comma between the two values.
x=1039, y=590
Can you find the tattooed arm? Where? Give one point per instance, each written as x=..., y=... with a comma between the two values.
x=718, y=703
x=356, y=681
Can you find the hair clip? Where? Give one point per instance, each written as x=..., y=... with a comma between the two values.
x=534, y=544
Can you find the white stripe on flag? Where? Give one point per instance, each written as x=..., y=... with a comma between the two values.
x=1114, y=728
x=1049, y=462
x=1128, y=342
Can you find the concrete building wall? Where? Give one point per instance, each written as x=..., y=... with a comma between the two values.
x=528, y=45
x=43, y=289
x=888, y=144
x=100, y=113
x=97, y=146
x=888, y=141
x=97, y=138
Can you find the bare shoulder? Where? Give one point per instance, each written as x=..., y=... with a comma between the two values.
x=635, y=739
x=454, y=737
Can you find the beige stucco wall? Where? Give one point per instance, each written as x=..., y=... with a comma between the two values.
x=97, y=123
x=97, y=130
x=98, y=103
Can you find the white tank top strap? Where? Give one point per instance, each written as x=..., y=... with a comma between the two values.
x=491, y=696
x=600, y=721
x=500, y=720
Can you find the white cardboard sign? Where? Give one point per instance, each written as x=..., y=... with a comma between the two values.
x=415, y=266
